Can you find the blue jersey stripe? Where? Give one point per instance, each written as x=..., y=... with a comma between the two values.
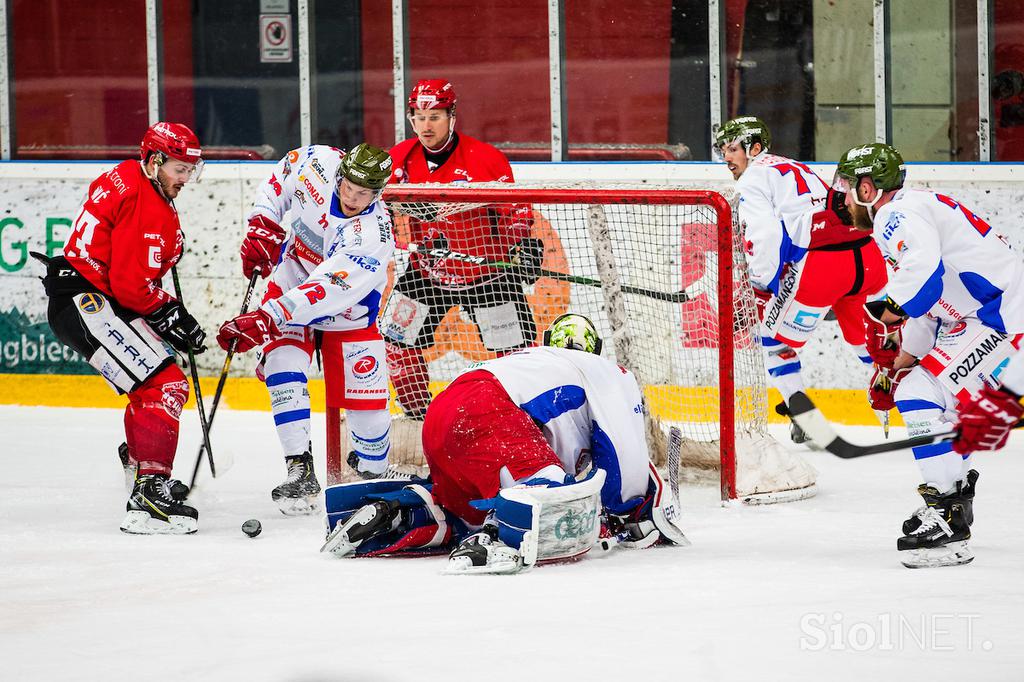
x=914, y=405
x=285, y=378
x=933, y=450
x=291, y=416
x=551, y=404
x=928, y=295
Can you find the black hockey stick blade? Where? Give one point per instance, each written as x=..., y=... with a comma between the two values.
x=819, y=430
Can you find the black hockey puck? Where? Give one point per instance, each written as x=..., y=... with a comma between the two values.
x=252, y=528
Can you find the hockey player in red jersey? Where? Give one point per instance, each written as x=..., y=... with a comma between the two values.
x=803, y=254
x=431, y=286
x=108, y=303
x=509, y=444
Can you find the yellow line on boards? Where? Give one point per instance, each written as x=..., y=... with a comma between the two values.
x=845, y=406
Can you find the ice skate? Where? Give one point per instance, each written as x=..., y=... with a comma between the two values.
x=153, y=509
x=942, y=534
x=967, y=497
x=390, y=473
x=299, y=495
x=483, y=552
x=367, y=522
x=796, y=434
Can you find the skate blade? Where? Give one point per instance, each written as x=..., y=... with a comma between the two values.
x=953, y=554
x=506, y=563
x=299, y=506
x=141, y=523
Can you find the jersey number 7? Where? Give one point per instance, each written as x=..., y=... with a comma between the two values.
x=977, y=223
x=798, y=169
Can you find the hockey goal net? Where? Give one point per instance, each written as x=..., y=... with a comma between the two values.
x=658, y=270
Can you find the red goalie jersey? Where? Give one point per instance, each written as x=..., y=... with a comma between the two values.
x=125, y=238
x=489, y=232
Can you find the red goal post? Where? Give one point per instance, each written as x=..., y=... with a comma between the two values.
x=621, y=255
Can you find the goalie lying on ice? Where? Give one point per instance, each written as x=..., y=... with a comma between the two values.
x=505, y=443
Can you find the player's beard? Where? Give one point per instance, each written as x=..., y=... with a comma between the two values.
x=168, y=186
x=861, y=219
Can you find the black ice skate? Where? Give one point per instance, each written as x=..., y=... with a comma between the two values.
x=796, y=434
x=483, y=552
x=299, y=495
x=967, y=494
x=367, y=522
x=941, y=537
x=153, y=509
x=389, y=474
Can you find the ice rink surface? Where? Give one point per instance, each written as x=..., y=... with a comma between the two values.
x=806, y=591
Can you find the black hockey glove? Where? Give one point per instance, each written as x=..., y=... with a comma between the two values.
x=528, y=254
x=175, y=326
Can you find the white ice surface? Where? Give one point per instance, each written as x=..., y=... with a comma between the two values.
x=79, y=600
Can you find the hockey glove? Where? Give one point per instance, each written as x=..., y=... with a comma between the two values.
x=882, y=391
x=248, y=331
x=528, y=254
x=883, y=339
x=986, y=421
x=175, y=326
x=262, y=246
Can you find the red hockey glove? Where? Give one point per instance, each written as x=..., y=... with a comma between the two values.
x=882, y=390
x=262, y=246
x=986, y=421
x=251, y=330
x=761, y=298
x=882, y=339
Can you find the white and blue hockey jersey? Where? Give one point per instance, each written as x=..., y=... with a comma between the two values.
x=587, y=408
x=948, y=263
x=333, y=268
x=775, y=192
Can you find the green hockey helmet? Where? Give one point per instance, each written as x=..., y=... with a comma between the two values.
x=878, y=161
x=366, y=166
x=575, y=332
x=746, y=130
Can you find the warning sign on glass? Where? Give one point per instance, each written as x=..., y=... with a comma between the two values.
x=275, y=37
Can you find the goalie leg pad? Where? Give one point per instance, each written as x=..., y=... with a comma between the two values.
x=416, y=524
x=552, y=522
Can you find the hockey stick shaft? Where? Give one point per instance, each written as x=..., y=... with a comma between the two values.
x=671, y=297
x=200, y=407
x=222, y=380
x=819, y=430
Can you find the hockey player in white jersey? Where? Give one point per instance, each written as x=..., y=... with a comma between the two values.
x=506, y=443
x=803, y=254
x=329, y=273
x=952, y=319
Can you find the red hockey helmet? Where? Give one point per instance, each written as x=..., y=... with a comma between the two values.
x=175, y=140
x=433, y=93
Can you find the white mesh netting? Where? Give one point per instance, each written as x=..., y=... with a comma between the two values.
x=450, y=310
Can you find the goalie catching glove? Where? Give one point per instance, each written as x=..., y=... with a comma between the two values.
x=175, y=326
x=248, y=331
x=986, y=421
x=883, y=339
x=261, y=247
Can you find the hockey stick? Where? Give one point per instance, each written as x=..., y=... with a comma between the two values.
x=195, y=382
x=222, y=380
x=412, y=247
x=819, y=430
